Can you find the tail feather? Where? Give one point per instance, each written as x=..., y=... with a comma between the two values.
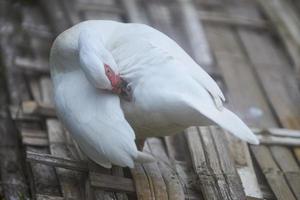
x=232, y=123
x=225, y=119
x=143, y=157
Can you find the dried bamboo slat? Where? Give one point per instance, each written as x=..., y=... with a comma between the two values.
x=211, y=161
x=141, y=183
x=70, y=8
x=134, y=11
x=33, y=66
x=48, y=197
x=152, y=177
x=279, y=136
x=56, y=161
x=181, y=164
x=206, y=182
x=13, y=182
x=160, y=17
x=45, y=182
x=34, y=138
x=70, y=181
x=113, y=12
x=155, y=178
x=195, y=34
x=17, y=115
x=55, y=14
x=41, y=109
x=284, y=17
x=244, y=164
x=42, y=177
x=286, y=141
x=98, y=179
x=285, y=159
x=284, y=106
x=39, y=46
x=245, y=95
x=34, y=86
x=273, y=73
x=171, y=179
x=272, y=173
x=227, y=164
x=99, y=7
x=222, y=19
x=209, y=3
x=12, y=177
x=263, y=52
x=100, y=193
x=33, y=24
x=112, y=183
x=279, y=132
x=118, y=172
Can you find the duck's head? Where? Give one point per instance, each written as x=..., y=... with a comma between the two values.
x=99, y=65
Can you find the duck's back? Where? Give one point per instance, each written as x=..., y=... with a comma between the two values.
x=137, y=49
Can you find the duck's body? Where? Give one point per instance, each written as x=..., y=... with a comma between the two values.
x=170, y=92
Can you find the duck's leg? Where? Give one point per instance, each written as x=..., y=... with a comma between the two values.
x=140, y=144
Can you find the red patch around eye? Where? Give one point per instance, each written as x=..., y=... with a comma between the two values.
x=113, y=78
x=107, y=68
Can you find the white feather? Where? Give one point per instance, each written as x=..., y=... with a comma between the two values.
x=95, y=119
x=170, y=91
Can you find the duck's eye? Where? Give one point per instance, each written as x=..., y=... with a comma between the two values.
x=108, y=71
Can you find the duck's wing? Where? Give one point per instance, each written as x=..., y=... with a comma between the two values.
x=200, y=101
x=201, y=92
x=167, y=45
x=96, y=120
x=174, y=87
x=182, y=100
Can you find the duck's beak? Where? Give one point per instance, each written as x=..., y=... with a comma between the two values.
x=123, y=89
x=126, y=90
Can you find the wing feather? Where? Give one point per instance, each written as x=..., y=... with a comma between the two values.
x=171, y=48
x=96, y=120
x=198, y=99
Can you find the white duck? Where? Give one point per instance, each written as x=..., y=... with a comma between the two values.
x=115, y=81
